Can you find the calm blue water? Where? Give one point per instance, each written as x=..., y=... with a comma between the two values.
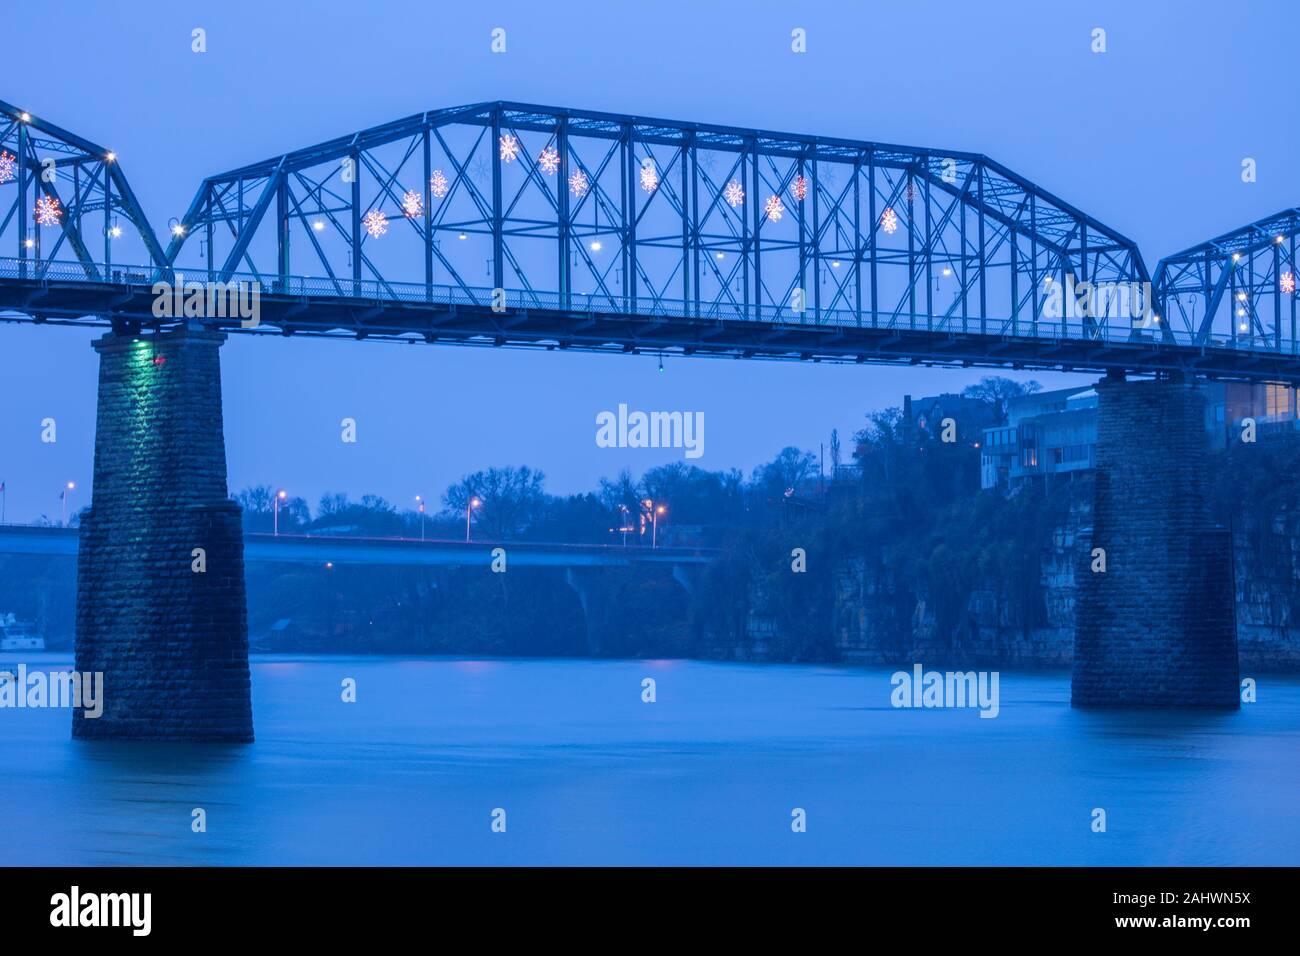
x=588, y=774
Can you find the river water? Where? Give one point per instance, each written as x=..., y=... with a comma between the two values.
x=587, y=773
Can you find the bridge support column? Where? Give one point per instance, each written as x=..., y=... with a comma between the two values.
x=1157, y=627
x=171, y=640
x=593, y=596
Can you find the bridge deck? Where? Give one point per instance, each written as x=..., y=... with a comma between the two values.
x=414, y=313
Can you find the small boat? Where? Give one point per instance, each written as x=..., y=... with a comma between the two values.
x=16, y=635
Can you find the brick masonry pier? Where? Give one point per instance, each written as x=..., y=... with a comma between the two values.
x=1158, y=628
x=171, y=642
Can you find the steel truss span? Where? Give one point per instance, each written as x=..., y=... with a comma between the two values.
x=1243, y=283
x=505, y=224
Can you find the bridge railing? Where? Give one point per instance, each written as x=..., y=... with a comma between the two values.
x=379, y=292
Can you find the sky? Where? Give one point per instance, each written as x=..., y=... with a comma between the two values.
x=1148, y=137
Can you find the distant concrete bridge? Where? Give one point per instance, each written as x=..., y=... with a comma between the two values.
x=581, y=562
x=409, y=552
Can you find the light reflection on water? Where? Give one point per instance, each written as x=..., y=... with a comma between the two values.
x=708, y=774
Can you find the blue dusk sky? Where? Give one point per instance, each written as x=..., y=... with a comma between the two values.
x=1148, y=137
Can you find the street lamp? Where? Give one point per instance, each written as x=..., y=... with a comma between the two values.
x=279, y=496
x=655, y=511
x=469, y=508
x=420, y=502
x=64, y=498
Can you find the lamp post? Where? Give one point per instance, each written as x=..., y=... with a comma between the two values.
x=654, y=511
x=469, y=508
x=420, y=502
x=279, y=496
x=64, y=498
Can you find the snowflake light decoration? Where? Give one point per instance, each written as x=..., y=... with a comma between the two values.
x=578, y=183
x=889, y=221
x=800, y=188
x=649, y=175
x=376, y=223
x=912, y=192
x=734, y=193
x=438, y=184
x=48, y=212
x=509, y=148
x=412, y=204
x=1287, y=282
x=8, y=165
x=774, y=208
x=549, y=160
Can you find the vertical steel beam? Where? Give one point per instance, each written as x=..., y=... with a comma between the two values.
x=1277, y=298
x=282, y=234
x=356, y=222
x=929, y=257
x=983, y=261
x=498, y=218
x=22, y=197
x=817, y=241
x=565, y=230
x=803, y=242
x=427, y=191
x=911, y=251
x=874, y=226
x=758, y=223
x=695, y=226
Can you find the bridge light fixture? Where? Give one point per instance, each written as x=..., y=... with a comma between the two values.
x=376, y=223
x=719, y=255
x=835, y=263
x=48, y=212
x=110, y=157
x=412, y=204
x=1241, y=312
x=1278, y=239
x=462, y=236
x=1241, y=297
x=178, y=229
x=25, y=117
x=318, y=225
x=947, y=271
x=509, y=148
x=549, y=160
x=29, y=243
x=595, y=245
x=1236, y=257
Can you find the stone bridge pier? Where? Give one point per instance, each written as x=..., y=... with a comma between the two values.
x=161, y=608
x=1157, y=627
